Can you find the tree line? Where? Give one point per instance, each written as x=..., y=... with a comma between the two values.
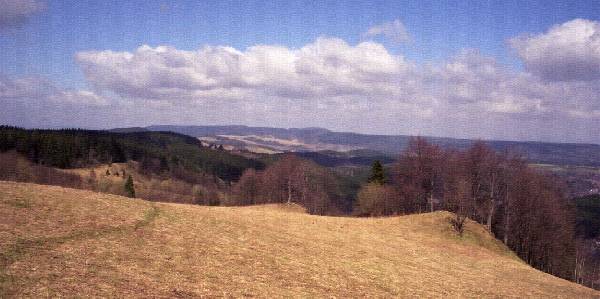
x=292, y=180
x=588, y=240
x=525, y=209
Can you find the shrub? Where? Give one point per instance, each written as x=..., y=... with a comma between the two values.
x=375, y=199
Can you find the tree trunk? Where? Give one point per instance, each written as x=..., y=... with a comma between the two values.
x=489, y=218
x=289, y=187
x=576, y=267
x=506, y=228
x=431, y=197
x=474, y=212
x=507, y=218
x=492, y=205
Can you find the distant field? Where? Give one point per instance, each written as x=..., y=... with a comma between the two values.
x=271, y=145
x=65, y=242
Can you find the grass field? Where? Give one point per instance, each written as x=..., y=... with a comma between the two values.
x=65, y=242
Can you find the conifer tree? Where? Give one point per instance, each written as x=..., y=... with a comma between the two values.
x=129, y=188
x=377, y=173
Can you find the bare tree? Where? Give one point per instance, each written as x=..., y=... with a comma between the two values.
x=524, y=208
x=460, y=201
x=247, y=190
x=290, y=180
x=419, y=172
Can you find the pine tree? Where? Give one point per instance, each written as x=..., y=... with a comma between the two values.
x=129, y=189
x=377, y=174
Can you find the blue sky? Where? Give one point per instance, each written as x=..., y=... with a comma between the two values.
x=47, y=43
x=452, y=45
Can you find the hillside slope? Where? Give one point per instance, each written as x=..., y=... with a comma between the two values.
x=67, y=242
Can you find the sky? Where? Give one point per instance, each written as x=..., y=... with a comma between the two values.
x=511, y=70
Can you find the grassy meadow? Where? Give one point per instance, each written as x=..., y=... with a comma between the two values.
x=76, y=243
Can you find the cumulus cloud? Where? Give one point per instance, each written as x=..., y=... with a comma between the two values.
x=328, y=82
x=16, y=12
x=481, y=84
x=325, y=68
x=395, y=31
x=569, y=51
x=330, y=70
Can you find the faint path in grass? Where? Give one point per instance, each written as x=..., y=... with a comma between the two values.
x=23, y=246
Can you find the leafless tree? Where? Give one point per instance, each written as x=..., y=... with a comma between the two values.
x=418, y=173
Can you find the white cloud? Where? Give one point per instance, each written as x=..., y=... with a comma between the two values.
x=478, y=84
x=329, y=70
x=327, y=83
x=15, y=12
x=28, y=87
x=37, y=90
x=328, y=67
x=569, y=51
x=395, y=31
x=79, y=97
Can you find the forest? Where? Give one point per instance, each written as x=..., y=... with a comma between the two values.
x=526, y=209
x=157, y=152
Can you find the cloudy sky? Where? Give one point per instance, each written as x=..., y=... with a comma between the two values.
x=515, y=70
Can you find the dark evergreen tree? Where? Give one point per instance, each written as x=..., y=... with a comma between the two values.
x=129, y=188
x=164, y=165
x=117, y=153
x=377, y=173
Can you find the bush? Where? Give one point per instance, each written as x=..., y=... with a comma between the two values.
x=458, y=223
x=375, y=200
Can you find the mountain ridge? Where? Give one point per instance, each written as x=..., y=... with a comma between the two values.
x=580, y=154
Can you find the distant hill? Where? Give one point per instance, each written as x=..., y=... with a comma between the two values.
x=129, y=130
x=318, y=139
x=61, y=242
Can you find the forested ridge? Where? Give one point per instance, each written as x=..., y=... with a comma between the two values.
x=156, y=151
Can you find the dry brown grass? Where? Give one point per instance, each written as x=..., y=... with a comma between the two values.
x=65, y=242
